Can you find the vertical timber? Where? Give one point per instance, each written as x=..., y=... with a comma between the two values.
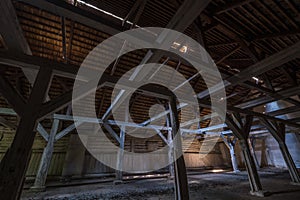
x=230, y=144
x=241, y=131
x=170, y=149
x=278, y=132
x=14, y=164
x=42, y=173
x=120, y=155
x=181, y=183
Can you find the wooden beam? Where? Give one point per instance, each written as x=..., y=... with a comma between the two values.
x=271, y=62
x=236, y=49
x=276, y=60
x=237, y=131
x=11, y=30
x=282, y=94
x=66, y=130
x=133, y=10
x=242, y=134
x=112, y=132
x=64, y=9
x=137, y=9
x=170, y=147
x=268, y=92
x=12, y=96
x=7, y=123
x=162, y=136
x=41, y=176
x=64, y=38
x=14, y=164
x=71, y=71
x=278, y=132
x=13, y=36
x=230, y=142
x=181, y=183
x=42, y=132
x=284, y=111
x=14, y=59
x=252, y=141
x=184, y=16
x=120, y=156
x=277, y=35
x=139, y=13
x=232, y=5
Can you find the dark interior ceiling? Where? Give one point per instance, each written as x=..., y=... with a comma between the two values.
x=237, y=34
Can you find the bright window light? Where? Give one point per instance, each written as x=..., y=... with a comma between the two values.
x=103, y=11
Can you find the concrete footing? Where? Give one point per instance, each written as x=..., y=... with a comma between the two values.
x=38, y=189
x=294, y=183
x=118, y=182
x=260, y=193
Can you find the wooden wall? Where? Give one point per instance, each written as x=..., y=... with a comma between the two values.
x=90, y=166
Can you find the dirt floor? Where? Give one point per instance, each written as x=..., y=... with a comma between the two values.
x=203, y=185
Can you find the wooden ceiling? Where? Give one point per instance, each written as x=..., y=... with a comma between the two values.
x=237, y=34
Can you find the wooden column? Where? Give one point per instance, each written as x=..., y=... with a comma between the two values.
x=256, y=187
x=234, y=160
x=74, y=160
x=278, y=132
x=181, y=183
x=14, y=164
x=230, y=142
x=119, y=173
x=170, y=154
x=42, y=173
x=241, y=130
x=252, y=141
x=170, y=149
x=289, y=162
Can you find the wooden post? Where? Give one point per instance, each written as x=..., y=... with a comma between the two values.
x=42, y=173
x=75, y=156
x=278, y=132
x=14, y=164
x=119, y=173
x=170, y=149
x=120, y=156
x=234, y=160
x=289, y=162
x=252, y=141
x=230, y=144
x=181, y=183
x=256, y=187
x=170, y=154
x=241, y=131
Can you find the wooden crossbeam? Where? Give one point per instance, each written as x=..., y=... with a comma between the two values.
x=269, y=63
x=12, y=96
x=284, y=111
x=7, y=123
x=236, y=49
x=181, y=183
x=283, y=94
x=269, y=92
x=232, y=5
x=71, y=71
x=237, y=131
x=184, y=16
x=64, y=9
x=277, y=35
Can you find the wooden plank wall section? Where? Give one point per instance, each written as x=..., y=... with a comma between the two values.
x=217, y=158
x=60, y=149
